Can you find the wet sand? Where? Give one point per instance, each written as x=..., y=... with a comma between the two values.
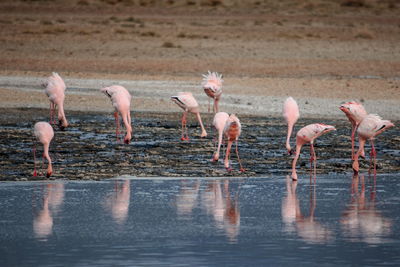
x=88, y=148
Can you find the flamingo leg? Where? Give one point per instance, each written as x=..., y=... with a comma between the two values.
x=185, y=136
x=353, y=131
x=227, y=156
x=34, y=160
x=314, y=157
x=116, y=125
x=240, y=163
x=373, y=155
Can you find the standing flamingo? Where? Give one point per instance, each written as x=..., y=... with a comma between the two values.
x=219, y=123
x=232, y=132
x=212, y=85
x=44, y=134
x=55, y=90
x=306, y=135
x=121, y=101
x=188, y=103
x=371, y=126
x=355, y=112
x=291, y=114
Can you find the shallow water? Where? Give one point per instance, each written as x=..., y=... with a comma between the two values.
x=339, y=221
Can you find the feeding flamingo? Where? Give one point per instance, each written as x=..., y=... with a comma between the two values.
x=306, y=135
x=212, y=85
x=371, y=126
x=121, y=101
x=188, y=103
x=355, y=112
x=55, y=90
x=232, y=132
x=291, y=114
x=219, y=123
x=44, y=134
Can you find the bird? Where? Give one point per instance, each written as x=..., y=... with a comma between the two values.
x=212, y=85
x=121, y=101
x=232, y=132
x=44, y=134
x=188, y=103
x=371, y=126
x=55, y=90
x=355, y=112
x=219, y=123
x=291, y=114
x=306, y=135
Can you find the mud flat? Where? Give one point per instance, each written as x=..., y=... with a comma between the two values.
x=89, y=150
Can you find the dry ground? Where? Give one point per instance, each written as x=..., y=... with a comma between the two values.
x=331, y=50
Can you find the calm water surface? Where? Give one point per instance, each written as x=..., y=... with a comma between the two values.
x=341, y=220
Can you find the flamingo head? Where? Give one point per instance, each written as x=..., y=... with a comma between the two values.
x=62, y=124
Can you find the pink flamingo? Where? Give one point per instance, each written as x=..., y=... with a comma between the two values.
x=291, y=114
x=306, y=135
x=44, y=134
x=371, y=126
x=212, y=85
x=188, y=103
x=121, y=101
x=55, y=90
x=219, y=123
x=355, y=112
x=232, y=132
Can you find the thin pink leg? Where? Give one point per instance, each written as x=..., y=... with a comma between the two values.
x=34, y=160
x=353, y=131
x=185, y=136
x=117, y=125
x=240, y=163
x=373, y=155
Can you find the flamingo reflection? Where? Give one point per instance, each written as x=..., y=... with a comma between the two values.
x=361, y=221
x=53, y=197
x=187, y=198
x=118, y=202
x=223, y=208
x=307, y=228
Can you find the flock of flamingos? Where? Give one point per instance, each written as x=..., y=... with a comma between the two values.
x=368, y=126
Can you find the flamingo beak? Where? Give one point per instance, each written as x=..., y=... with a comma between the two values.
x=48, y=174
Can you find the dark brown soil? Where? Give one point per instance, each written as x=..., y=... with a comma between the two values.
x=88, y=148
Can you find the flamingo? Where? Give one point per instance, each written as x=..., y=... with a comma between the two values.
x=219, y=123
x=55, y=90
x=121, y=101
x=44, y=134
x=306, y=135
x=212, y=85
x=188, y=103
x=371, y=126
x=232, y=132
x=291, y=114
x=355, y=112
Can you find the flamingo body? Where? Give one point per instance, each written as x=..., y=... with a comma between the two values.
x=232, y=131
x=291, y=114
x=121, y=101
x=55, y=90
x=188, y=103
x=306, y=135
x=212, y=85
x=219, y=123
x=44, y=134
x=371, y=126
x=355, y=112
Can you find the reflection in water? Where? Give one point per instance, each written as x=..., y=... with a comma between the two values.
x=118, y=201
x=216, y=201
x=361, y=221
x=187, y=197
x=222, y=207
x=53, y=197
x=306, y=227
